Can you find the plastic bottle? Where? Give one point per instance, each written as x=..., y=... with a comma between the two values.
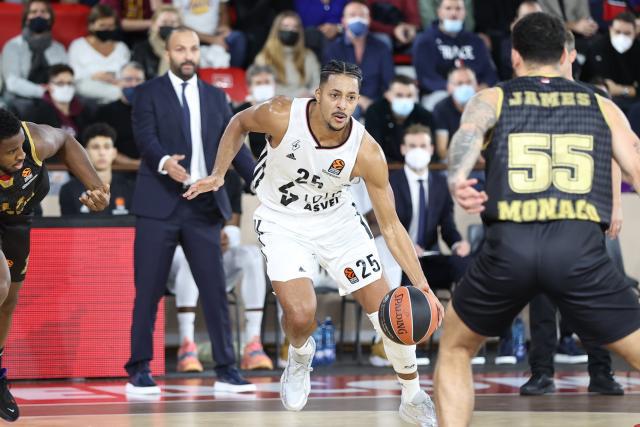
x=519, y=347
x=329, y=341
x=319, y=357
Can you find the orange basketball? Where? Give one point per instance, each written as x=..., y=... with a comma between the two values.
x=408, y=315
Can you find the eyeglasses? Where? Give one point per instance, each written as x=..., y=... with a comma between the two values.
x=132, y=79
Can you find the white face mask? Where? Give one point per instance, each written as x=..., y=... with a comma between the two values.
x=621, y=43
x=263, y=92
x=62, y=93
x=417, y=158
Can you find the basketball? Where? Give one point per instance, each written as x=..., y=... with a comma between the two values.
x=408, y=315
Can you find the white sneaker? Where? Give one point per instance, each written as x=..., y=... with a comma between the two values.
x=419, y=411
x=295, y=382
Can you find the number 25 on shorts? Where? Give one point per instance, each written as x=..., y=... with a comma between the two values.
x=569, y=168
x=361, y=269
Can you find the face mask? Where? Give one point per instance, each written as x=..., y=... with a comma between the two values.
x=38, y=25
x=263, y=92
x=62, y=93
x=288, y=38
x=463, y=93
x=417, y=158
x=621, y=43
x=402, y=106
x=165, y=31
x=452, y=25
x=128, y=93
x=107, y=35
x=358, y=26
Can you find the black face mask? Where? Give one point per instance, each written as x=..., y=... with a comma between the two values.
x=107, y=35
x=288, y=38
x=39, y=25
x=165, y=31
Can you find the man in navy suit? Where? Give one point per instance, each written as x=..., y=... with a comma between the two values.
x=424, y=205
x=178, y=121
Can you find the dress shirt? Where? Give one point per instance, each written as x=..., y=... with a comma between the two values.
x=412, y=179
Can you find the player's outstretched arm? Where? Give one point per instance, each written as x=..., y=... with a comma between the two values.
x=50, y=141
x=478, y=117
x=625, y=143
x=372, y=167
x=270, y=117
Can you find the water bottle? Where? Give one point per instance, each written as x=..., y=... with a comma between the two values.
x=319, y=356
x=329, y=341
x=519, y=348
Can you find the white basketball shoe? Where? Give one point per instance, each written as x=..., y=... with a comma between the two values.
x=419, y=411
x=295, y=383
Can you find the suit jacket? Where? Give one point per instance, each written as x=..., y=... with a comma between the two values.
x=439, y=208
x=159, y=130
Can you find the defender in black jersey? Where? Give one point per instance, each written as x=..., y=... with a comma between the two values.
x=548, y=144
x=23, y=184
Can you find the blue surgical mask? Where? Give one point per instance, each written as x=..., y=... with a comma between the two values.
x=463, y=93
x=402, y=106
x=128, y=93
x=358, y=26
x=452, y=25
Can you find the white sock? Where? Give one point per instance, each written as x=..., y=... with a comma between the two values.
x=185, y=326
x=253, y=324
x=409, y=388
x=301, y=354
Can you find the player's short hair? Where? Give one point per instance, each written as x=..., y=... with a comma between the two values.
x=335, y=67
x=569, y=41
x=539, y=38
x=416, y=129
x=9, y=124
x=56, y=69
x=627, y=17
x=256, y=69
x=98, y=129
x=403, y=80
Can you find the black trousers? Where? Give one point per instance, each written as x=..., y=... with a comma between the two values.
x=542, y=318
x=197, y=228
x=442, y=270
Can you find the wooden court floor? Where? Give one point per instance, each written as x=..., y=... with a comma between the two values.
x=336, y=400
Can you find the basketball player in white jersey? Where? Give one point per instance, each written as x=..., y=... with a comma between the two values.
x=315, y=149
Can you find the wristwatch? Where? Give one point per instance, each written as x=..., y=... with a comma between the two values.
x=625, y=91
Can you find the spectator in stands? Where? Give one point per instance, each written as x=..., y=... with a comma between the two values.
x=254, y=18
x=577, y=17
x=97, y=58
x=98, y=139
x=493, y=20
x=210, y=19
x=398, y=20
x=388, y=118
x=461, y=86
x=446, y=45
x=60, y=107
x=135, y=17
x=357, y=46
x=297, y=68
x=243, y=266
x=261, y=81
x=117, y=114
x=429, y=13
x=27, y=57
x=616, y=58
x=321, y=22
x=150, y=52
x=505, y=68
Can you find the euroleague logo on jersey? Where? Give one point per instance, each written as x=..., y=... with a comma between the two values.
x=336, y=167
x=351, y=275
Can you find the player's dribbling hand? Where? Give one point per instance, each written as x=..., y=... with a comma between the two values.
x=97, y=199
x=470, y=199
x=209, y=183
x=425, y=287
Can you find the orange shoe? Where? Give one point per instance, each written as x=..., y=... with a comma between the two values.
x=254, y=357
x=188, y=357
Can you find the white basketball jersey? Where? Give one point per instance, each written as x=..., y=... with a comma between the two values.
x=299, y=177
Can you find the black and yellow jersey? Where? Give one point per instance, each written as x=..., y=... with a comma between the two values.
x=21, y=191
x=549, y=154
